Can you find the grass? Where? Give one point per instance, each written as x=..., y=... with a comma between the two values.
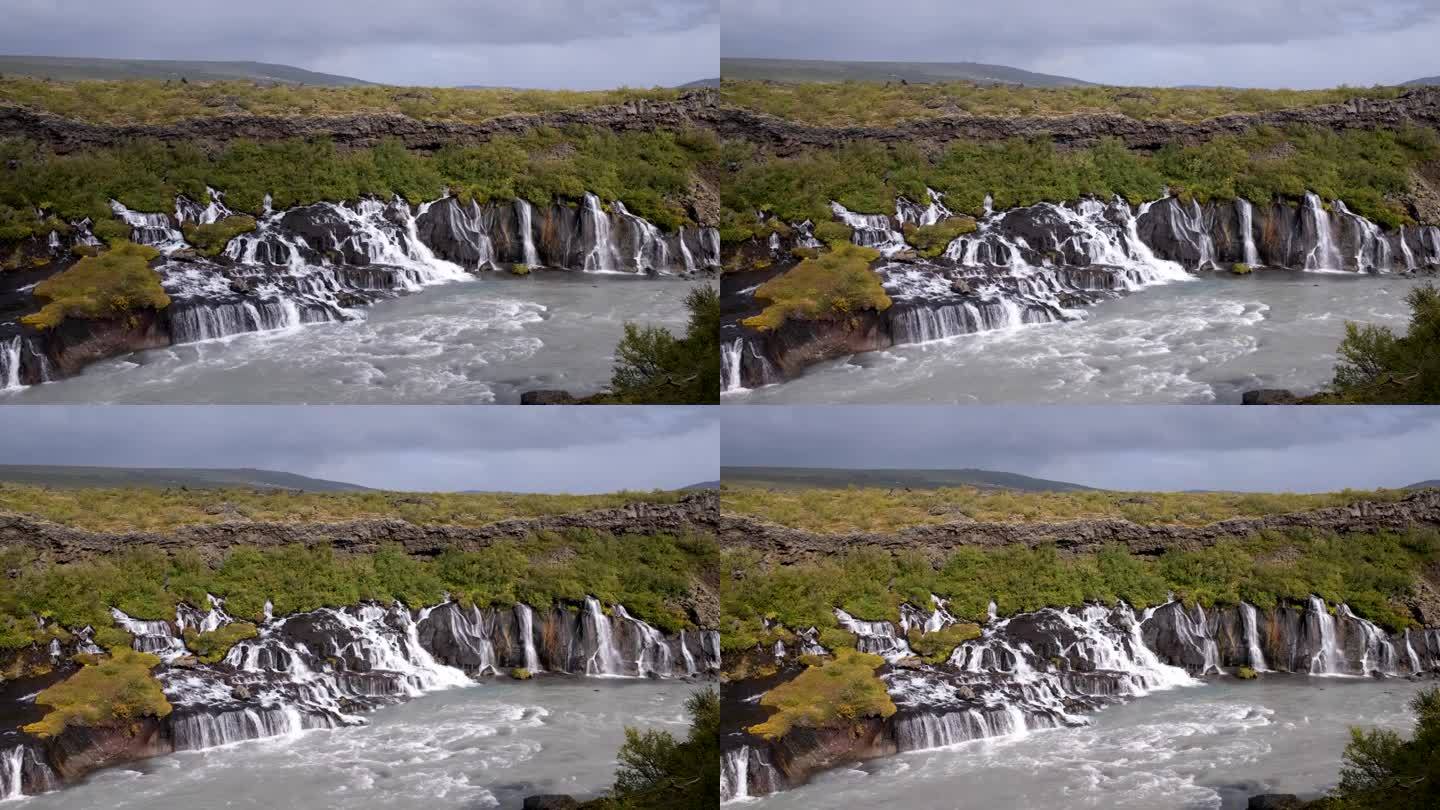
x=833, y=285
x=1367, y=169
x=829, y=694
x=162, y=509
x=210, y=239
x=1373, y=573
x=930, y=241
x=111, y=692
x=113, y=284
x=211, y=647
x=650, y=172
x=888, y=510
x=652, y=575
x=937, y=647
x=877, y=104
x=162, y=102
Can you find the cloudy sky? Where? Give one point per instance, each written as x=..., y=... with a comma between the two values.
x=426, y=448
x=577, y=44
x=1136, y=448
x=1271, y=43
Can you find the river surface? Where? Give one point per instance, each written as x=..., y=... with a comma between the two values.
x=1206, y=747
x=1205, y=340
x=480, y=341
x=484, y=746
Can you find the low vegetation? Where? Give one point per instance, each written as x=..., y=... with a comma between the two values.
x=930, y=241
x=830, y=693
x=1241, y=269
x=873, y=509
x=651, y=575
x=831, y=286
x=157, y=509
x=1379, y=367
x=1367, y=169
x=110, y=691
x=936, y=648
x=1373, y=573
x=654, y=367
x=113, y=284
x=160, y=102
x=659, y=772
x=877, y=104
x=211, y=647
x=1384, y=771
x=651, y=172
x=210, y=239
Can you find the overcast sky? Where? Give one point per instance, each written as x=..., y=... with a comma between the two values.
x=1167, y=448
x=428, y=448
x=1268, y=43
x=577, y=44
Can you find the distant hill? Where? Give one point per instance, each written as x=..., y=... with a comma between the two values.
x=1433, y=80
x=701, y=83
x=74, y=68
x=818, y=70
x=703, y=485
x=66, y=476
x=914, y=479
x=1434, y=483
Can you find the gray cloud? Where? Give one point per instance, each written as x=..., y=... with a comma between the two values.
x=578, y=44
x=1277, y=43
x=1155, y=448
x=435, y=448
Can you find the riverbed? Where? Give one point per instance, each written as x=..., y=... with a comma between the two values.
x=1207, y=747
x=488, y=745
x=483, y=340
x=1206, y=340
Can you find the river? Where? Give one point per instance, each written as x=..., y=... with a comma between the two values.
x=489, y=745
x=484, y=340
x=1205, y=747
x=1205, y=340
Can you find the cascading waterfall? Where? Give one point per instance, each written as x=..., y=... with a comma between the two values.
x=877, y=638
x=10, y=363
x=871, y=230
x=12, y=773
x=1406, y=253
x=1246, y=212
x=1328, y=659
x=1377, y=653
x=602, y=256
x=729, y=364
x=525, y=617
x=650, y=252
x=605, y=660
x=1252, y=637
x=523, y=214
x=151, y=636
x=1372, y=250
x=1324, y=255
x=155, y=230
x=651, y=653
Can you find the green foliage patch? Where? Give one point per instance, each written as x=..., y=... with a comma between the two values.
x=833, y=285
x=112, y=692
x=1379, y=367
x=211, y=238
x=930, y=241
x=659, y=772
x=654, y=367
x=113, y=284
x=1384, y=771
x=211, y=647
x=837, y=691
x=936, y=648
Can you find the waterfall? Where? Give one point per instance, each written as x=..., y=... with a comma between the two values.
x=650, y=252
x=1328, y=659
x=10, y=363
x=1247, y=231
x=602, y=255
x=690, y=668
x=1324, y=255
x=871, y=230
x=525, y=618
x=730, y=354
x=527, y=235
x=151, y=636
x=652, y=654
x=1252, y=637
x=155, y=230
x=876, y=638
x=1378, y=654
x=747, y=772
x=909, y=213
x=605, y=660
x=1410, y=656
x=1405, y=252
x=1372, y=250
x=685, y=257
x=12, y=773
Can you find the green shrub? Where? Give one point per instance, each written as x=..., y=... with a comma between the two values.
x=113, y=692
x=212, y=647
x=936, y=648
x=520, y=269
x=834, y=285
x=833, y=233
x=930, y=241
x=112, y=285
x=211, y=239
x=1246, y=674
x=521, y=674
x=1382, y=771
x=838, y=692
x=1241, y=269
x=659, y=772
x=654, y=367
x=1379, y=367
x=108, y=230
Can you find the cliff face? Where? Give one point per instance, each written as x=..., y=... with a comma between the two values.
x=693, y=108
x=1420, y=106
x=782, y=544
x=59, y=544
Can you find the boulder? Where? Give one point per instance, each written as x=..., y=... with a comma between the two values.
x=1269, y=396
x=547, y=397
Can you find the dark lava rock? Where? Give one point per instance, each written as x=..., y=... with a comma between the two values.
x=547, y=397
x=553, y=801
x=1269, y=396
x=1275, y=801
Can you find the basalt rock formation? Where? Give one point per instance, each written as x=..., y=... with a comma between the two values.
x=1420, y=106
x=782, y=544
x=58, y=544
x=692, y=108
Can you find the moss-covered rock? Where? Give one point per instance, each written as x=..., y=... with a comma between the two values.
x=210, y=239
x=930, y=241
x=111, y=285
x=1246, y=674
x=112, y=692
x=834, y=693
x=1242, y=269
x=212, y=647
x=834, y=285
x=936, y=648
x=521, y=674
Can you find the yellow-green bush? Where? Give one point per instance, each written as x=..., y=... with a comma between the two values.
x=837, y=692
x=114, y=284
x=210, y=239
x=212, y=647
x=935, y=648
x=930, y=241
x=114, y=692
x=833, y=285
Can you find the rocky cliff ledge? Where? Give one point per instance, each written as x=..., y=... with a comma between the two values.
x=61, y=544
x=1416, y=107
x=694, y=108
x=784, y=545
